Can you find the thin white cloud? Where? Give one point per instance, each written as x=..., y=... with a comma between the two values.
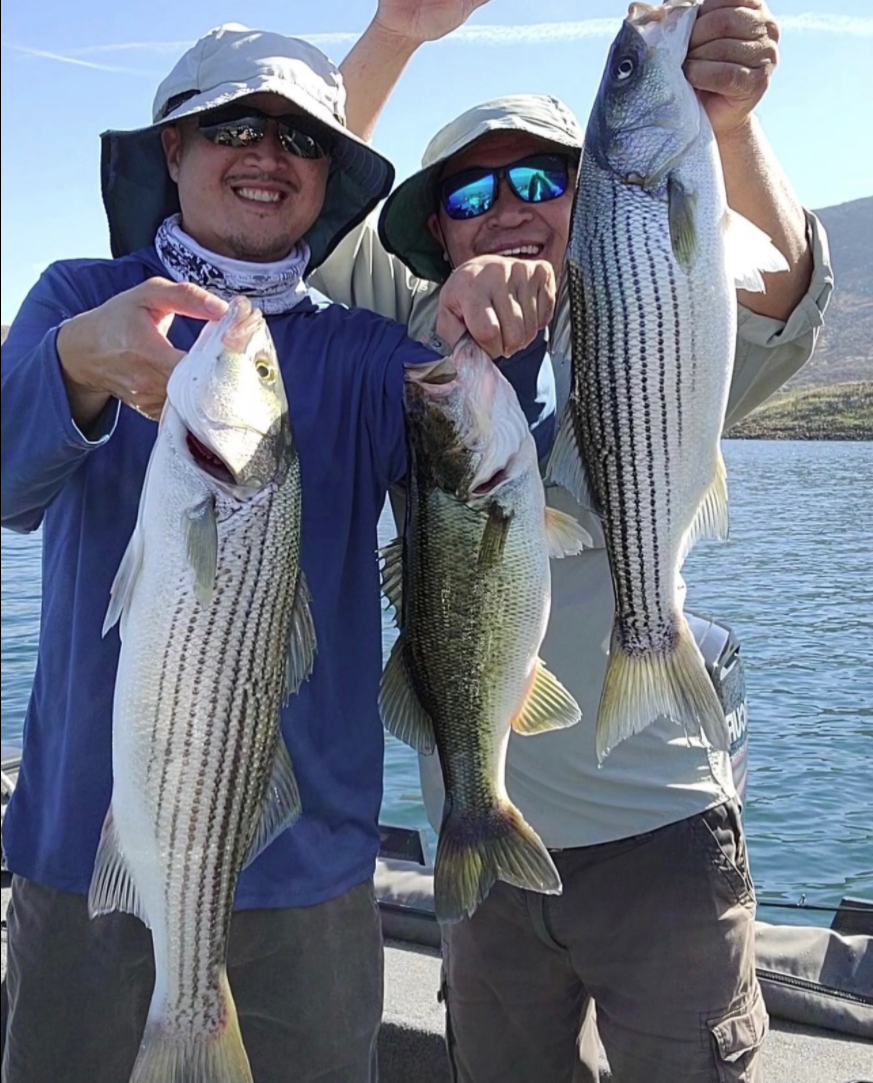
x=857, y=26
x=62, y=58
x=133, y=47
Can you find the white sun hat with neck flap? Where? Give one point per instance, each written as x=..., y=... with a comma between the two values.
x=227, y=64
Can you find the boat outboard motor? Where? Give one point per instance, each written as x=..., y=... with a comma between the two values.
x=721, y=653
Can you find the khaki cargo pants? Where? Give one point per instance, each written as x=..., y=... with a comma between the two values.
x=656, y=930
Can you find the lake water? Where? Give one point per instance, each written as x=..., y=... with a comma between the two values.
x=795, y=581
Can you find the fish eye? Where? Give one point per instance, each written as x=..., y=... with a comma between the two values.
x=265, y=369
x=624, y=69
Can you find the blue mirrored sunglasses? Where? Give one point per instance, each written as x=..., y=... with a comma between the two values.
x=537, y=179
x=244, y=127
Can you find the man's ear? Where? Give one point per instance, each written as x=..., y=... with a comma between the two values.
x=433, y=225
x=171, y=141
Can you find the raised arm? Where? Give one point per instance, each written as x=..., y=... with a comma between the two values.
x=731, y=58
x=375, y=63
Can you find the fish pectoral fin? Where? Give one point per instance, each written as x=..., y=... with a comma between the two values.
x=682, y=215
x=564, y=534
x=392, y=575
x=749, y=251
x=548, y=706
x=711, y=520
x=112, y=887
x=642, y=687
x=125, y=580
x=281, y=807
x=565, y=462
x=201, y=538
x=301, y=639
x=402, y=713
x=494, y=535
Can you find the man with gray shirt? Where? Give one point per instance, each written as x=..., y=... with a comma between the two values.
x=655, y=923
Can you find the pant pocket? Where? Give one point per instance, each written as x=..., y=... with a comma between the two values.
x=738, y=1036
x=721, y=833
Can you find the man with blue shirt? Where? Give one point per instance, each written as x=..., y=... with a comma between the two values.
x=656, y=920
x=245, y=181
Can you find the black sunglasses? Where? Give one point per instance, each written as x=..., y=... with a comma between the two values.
x=242, y=126
x=537, y=179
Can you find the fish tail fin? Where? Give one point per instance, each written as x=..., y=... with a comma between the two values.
x=219, y=1057
x=641, y=687
x=474, y=851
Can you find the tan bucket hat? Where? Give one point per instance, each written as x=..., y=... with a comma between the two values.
x=403, y=222
x=229, y=63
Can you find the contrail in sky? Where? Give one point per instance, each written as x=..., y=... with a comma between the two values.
x=855, y=26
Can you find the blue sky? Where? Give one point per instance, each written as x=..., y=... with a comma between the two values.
x=71, y=70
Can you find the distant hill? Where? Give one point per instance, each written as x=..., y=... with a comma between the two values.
x=845, y=349
x=834, y=412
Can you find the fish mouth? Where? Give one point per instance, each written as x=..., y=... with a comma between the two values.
x=491, y=483
x=207, y=461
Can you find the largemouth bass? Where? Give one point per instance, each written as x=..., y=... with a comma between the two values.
x=653, y=263
x=470, y=584
x=216, y=633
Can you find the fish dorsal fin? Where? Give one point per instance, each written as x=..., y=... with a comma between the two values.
x=565, y=536
x=565, y=462
x=301, y=639
x=392, y=576
x=201, y=539
x=112, y=887
x=711, y=520
x=399, y=705
x=749, y=251
x=548, y=706
x=281, y=807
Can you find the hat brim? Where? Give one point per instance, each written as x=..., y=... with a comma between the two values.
x=403, y=222
x=138, y=193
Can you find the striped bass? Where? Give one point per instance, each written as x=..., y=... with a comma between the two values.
x=215, y=634
x=470, y=583
x=653, y=263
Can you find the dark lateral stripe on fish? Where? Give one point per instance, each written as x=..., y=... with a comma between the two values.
x=170, y=756
x=677, y=345
x=165, y=666
x=653, y=312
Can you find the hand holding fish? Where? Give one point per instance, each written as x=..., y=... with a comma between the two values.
x=502, y=302
x=731, y=57
x=424, y=20
x=121, y=350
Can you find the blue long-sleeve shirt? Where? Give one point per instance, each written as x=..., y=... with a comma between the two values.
x=343, y=372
